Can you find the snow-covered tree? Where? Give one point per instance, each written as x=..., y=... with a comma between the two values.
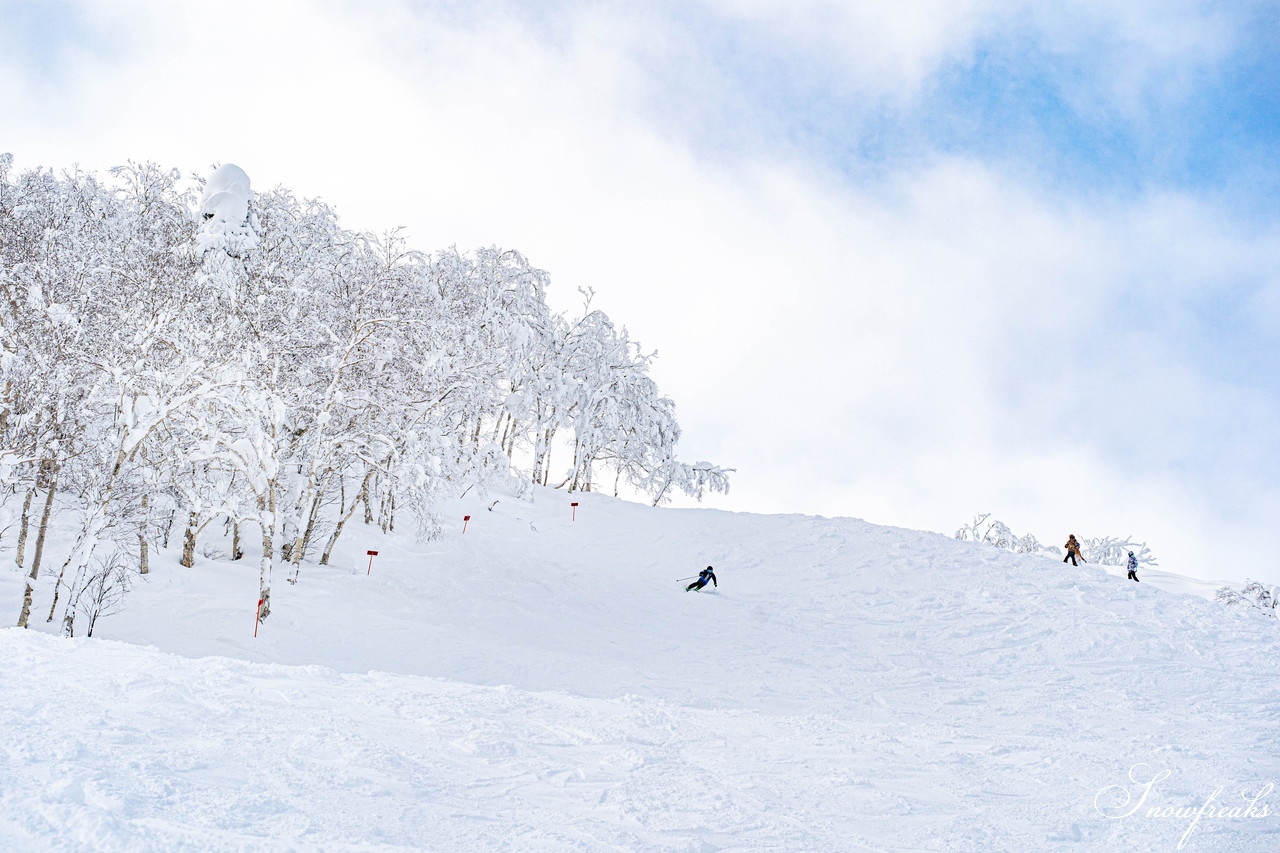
x=1252, y=595
x=1110, y=551
x=992, y=531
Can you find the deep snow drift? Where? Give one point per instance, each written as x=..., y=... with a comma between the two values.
x=539, y=683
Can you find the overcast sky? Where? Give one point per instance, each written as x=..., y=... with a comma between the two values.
x=901, y=261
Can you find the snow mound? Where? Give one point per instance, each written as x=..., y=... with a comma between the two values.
x=226, y=211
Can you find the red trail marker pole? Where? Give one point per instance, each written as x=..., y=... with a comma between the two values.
x=574, y=517
x=372, y=554
x=257, y=616
x=465, y=519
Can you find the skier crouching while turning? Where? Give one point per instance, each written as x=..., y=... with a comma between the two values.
x=704, y=576
x=1073, y=551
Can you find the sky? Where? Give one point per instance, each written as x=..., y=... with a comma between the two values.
x=903, y=262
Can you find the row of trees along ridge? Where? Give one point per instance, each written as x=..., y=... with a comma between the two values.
x=172, y=359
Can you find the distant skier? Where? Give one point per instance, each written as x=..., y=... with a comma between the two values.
x=1073, y=551
x=1133, y=567
x=703, y=576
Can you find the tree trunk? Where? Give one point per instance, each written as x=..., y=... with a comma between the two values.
x=337, y=531
x=236, y=553
x=509, y=438
x=502, y=432
x=25, y=615
x=311, y=528
x=576, y=482
x=26, y=606
x=20, y=556
x=299, y=551
x=51, y=481
x=189, y=540
x=316, y=485
x=368, y=505
x=144, y=557
x=267, y=521
x=542, y=455
x=57, y=590
x=657, y=499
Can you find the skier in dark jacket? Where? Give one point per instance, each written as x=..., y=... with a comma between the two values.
x=703, y=576
x=1133, y=567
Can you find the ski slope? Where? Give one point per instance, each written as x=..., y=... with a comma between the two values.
x=539, y=683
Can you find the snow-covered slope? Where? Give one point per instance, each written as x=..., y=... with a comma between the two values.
x=539, y=683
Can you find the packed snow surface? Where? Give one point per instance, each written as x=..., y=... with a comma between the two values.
x=542, y=683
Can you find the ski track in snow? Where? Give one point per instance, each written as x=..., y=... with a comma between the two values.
x=541, y=684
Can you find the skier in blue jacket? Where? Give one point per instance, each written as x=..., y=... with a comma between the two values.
x=1133, y=567
x=703, y=576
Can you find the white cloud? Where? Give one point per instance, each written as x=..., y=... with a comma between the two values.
x=884, y=46
x=1124, y=60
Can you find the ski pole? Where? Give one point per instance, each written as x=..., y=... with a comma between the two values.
x=691, y=577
